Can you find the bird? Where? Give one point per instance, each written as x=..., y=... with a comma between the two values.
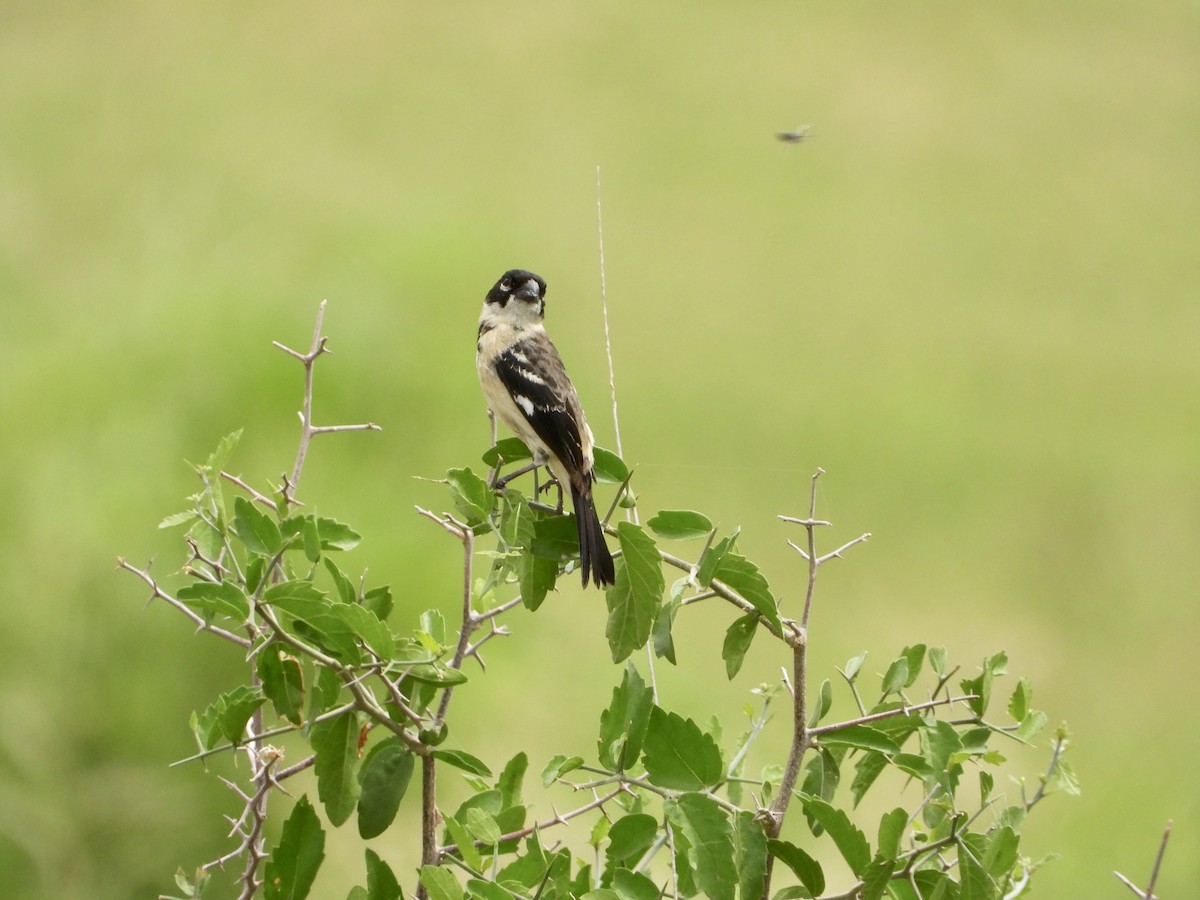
x=527, y=388
x=795, y=136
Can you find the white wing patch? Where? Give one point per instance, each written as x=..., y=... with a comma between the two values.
x=525, y=403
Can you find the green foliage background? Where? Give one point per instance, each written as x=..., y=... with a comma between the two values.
x=971, y=297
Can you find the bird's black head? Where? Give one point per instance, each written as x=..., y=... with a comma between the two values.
x=518, y=284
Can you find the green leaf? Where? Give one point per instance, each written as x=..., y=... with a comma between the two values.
x=209, y=539
x=178, y=518
x=914, y=765
x=337, y=535
x=1012, y=817
x=608, y=466
x=862, y=737
x=712, y=559
x=737, y=642
x=440, y=883
x=464, y=761
x=223, y=599
x=680, y=525
x=876, y=877
x=937, y=660
x=365, y=625
x=629, y=885
x=795, y=892
x=1018, y=704
x=981, y=685
x=471, y=495
x=535, y=574
x=465, y=842
x=749, y=855
x=511, y=780
x=868, y=768
x=379, y=601
x=337, y=627
x=823, y=775
x=803, y=866
x=255, y=529
x=891, y=832
x=641, y=555
x=684, y=868
x=436, y=674
x=555, y=538
x=293, y=864
x=486, y=890
x=483, y=826
x=218, y=459
x=535, y=867
x=347, y=593
x=896, y=676
x=235, y=709
x=664, y=641
x=851, y=842
x=707, y=829
x=506, y=450
x=256, y=570
x=335, y=742
x=1000, y=853
x=559, y=766
x=282, y=681
x=974, y=883
x=312, y=539
x=986, y=783
x=381, y=881
x=630, y=837
x=384, y=778
x=633, y=602
x=824, y=702
x=319, y=533
x=1064, y=778
x=623, y=724
x=915, y=656
x=1031, y=725
x=289, y=594
x=678, y=755
x=744, y=577
x=432, y=633
x=326, y=687
x=939, y=743
x=853, y=665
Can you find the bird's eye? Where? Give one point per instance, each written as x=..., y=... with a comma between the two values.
x=506, y=283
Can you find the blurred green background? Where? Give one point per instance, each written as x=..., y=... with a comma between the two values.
x=971, y=297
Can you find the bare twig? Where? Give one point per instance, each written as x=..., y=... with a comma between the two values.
x=201, y=625
x=802, y=735
x=1148, y=893
x=307, y=429
x=888, y=714
x=256, y=496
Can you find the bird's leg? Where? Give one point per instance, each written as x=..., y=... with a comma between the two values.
x=553, y=482
x=516, y=473
x=499, y=462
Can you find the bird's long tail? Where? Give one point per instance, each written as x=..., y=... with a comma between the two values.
x=594, y=559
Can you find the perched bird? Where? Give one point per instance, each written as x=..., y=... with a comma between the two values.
x=527, y=388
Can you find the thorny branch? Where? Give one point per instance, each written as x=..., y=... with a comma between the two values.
x=1148, y=893
x=307, y=429
x=802, y=735
x=263, y=758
